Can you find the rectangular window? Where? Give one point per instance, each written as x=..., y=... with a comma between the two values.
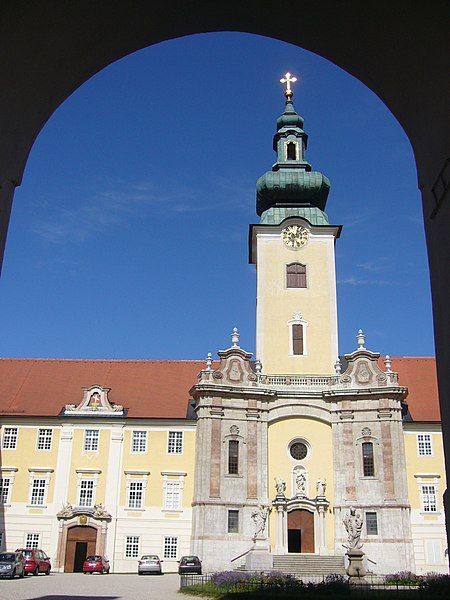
x=139, y=441
x=371, y=523
x=368, y=462
x=44, y=440
x=233, y=521
x=424, y=444
x=135, y=494
x=132, y=546
x=428, y=493
x=296, y=276
x=170, y=547
x=10, y=438
x=5, y=486
x=172, y=496
x=434, y=552
x=91, y=440
x=86, y=492
x=32, y=540
x=233, y=457
x=297, y=339
x=175, y=442
x=38, y=492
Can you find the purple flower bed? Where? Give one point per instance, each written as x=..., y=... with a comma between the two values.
x=228, y=578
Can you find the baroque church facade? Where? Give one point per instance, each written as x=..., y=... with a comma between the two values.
x=235, y=458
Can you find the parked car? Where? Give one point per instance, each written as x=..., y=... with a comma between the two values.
x=149, y=563
x=12, y=564
x=96, y=564
x=36, y=561
x=190, y=564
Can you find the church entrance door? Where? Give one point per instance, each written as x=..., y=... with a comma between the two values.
x=81, y=542
x=301, y=531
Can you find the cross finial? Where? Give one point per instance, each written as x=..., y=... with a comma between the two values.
x=288, y=79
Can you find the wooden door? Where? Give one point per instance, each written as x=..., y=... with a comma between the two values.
x=77, y=534
x=301, y=531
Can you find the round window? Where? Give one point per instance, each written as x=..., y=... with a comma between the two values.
x=299, y=450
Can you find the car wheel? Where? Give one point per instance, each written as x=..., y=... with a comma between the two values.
x=47, y=572
x=13, y=574
x=36, y=571
x=84, y=572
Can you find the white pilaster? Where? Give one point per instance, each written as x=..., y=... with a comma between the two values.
x=112, y=492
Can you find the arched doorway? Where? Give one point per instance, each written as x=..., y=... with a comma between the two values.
x=81, y=542
x=301, y=531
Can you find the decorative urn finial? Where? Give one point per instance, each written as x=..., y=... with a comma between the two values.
x=209, y=361
x=235, y=337
x=337, y=367
x=258, y=367
x=388, y=364
x=361, y=339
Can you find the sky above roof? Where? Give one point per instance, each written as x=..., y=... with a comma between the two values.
x=128, y=236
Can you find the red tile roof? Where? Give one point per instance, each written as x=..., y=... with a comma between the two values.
x=157, y=388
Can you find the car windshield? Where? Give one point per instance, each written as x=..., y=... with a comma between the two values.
x=27, y=553
x=7, y=557
x=189, y=559
x=150, y=557
x=94, y=558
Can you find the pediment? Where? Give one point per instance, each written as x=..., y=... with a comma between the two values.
x=95, y=402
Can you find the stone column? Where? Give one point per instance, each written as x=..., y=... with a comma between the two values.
x=321, y=509
x=114, y=477
x=280, y=505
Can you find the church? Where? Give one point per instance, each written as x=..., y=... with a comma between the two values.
x=245, y=461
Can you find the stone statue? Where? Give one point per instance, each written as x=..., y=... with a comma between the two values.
x=259, y=516
x=280, y=484
x=100, y=512
x=66, y=511
x=321, y=486
x=300, y=484
x=353, y=524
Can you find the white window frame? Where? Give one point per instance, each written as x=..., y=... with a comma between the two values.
x=436, y=543
x=297, y=319
x=140, y=448
x=5, y=499
x=424, y=444
x=172, y=494
x=176, y=444
x=133, y=475
x=32, y=540
x=10, y=474
x=38, y=492
x=87, y=474
x=377, y=521
x=135, y=495
x=86, y=489
x=426, y=498
x=44, y=439
x=39, y=474
x=91, y=442
x=9, y=438
x=297, y=149
x=171, y=547
x=132, y=546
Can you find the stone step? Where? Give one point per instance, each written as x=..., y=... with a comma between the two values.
x=309, y=564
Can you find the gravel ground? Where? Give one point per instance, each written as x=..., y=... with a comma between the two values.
x=62, y=586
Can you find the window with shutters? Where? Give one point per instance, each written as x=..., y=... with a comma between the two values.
x=233, y=457
x=367, y=458
x=296, y=275
x=297, y=339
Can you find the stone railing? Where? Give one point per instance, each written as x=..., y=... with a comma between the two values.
x=299, y=381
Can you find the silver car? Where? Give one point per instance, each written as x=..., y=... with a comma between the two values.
x=149, y=563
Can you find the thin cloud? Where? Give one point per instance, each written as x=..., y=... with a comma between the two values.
x=382, y=263
x=356, y=281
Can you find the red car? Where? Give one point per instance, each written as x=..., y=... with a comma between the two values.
x=36, y=561
x=96, y=564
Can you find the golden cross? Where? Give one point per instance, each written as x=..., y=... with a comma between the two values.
x=287, y=79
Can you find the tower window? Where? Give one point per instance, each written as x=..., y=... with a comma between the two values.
x=295, y=275
x=233, y=521
x=297, y=339
x=233, y=457
x=368, y=462
x=291, y=151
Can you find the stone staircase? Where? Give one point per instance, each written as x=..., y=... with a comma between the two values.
x=309, y=564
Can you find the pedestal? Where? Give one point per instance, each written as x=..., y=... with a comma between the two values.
x=355, y=569
x=259, y=557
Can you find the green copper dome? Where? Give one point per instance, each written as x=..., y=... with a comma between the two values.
x=291, y=182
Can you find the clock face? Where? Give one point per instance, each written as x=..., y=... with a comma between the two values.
x=295, y=236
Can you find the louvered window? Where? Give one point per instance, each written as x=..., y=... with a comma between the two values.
x=295, y=275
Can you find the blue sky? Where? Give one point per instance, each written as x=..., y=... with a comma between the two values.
x=128, y=236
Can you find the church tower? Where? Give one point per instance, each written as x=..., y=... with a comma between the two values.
x=293, y=250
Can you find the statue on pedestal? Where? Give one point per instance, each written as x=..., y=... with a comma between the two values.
x=353, y=524
x=259, y=517
x=300, y=484
x=280, y=485
x=321, y=486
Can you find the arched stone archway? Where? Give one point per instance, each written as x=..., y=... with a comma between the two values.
x=398, y=49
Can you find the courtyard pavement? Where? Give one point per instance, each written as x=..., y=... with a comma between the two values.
x=63, y=586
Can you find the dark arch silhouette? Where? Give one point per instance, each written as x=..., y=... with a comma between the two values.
x=398, y=49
